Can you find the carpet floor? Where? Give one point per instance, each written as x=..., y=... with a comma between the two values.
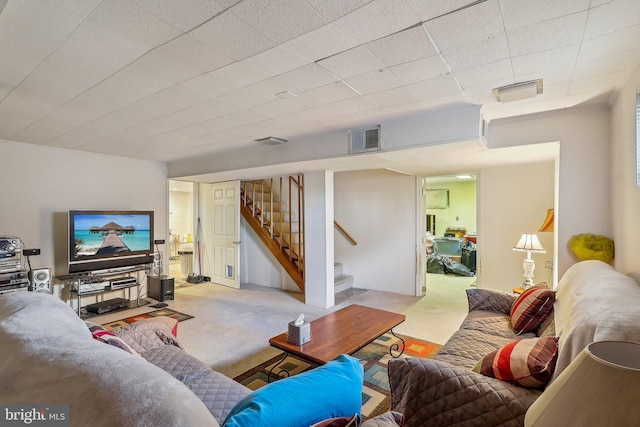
x=376, y=397
x=168, y=312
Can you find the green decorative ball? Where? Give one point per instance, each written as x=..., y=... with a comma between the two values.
x=591, y=246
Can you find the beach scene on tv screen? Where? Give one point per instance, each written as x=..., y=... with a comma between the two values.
x=110, y=234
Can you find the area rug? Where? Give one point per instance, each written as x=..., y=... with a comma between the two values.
x=162, y=312
x=376, y=397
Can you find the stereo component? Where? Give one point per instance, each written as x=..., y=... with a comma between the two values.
x=157, y=264
x=108, y=305
x=123, y=283
x=40, y=280
x=160, y=287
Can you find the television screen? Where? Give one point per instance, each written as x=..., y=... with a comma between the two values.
x=97, y=238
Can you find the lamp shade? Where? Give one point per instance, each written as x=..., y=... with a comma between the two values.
x=529, y=242
x=547, y=225
x=599, y=388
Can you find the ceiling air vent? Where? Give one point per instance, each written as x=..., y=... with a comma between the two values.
x=362, y=140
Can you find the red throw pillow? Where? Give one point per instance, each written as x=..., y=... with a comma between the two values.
x=527, y=362
x=531, y=308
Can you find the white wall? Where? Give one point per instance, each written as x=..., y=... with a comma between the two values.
x=584, y=182
x=625, y=195
x=378, y=208
x=258, y=265
x=512, y=200
x=41, y=184
x=453, y=124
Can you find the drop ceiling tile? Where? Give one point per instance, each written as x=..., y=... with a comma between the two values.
x=520, y=13
x=483, y=94
x=391, y=97
x=351, y=63
x=429, y=9
x=612, y=16
x=601, y=82
x=564, y=57
x=351, y=105
x=374, y=81
x=377, y=19
x=256, y=94
x=273, y=109
x=333, y=92
x=233, y=37
x=332, y=10
x=29, y=33
x=308, y=77
x=226, y=79
x=154, y=72
x=320, y=43
x=549, y=76
x=405, y=46
x=276, y=61
x=611, y=43
x=484, y=73
x=74, y=7
x=608, y=65
x=194, y=53
x=423, y=69
x=473, y=23
x=477, y=52
x=184, y=15
x=434, y=88
x=448, y=101
x=279, y=20
x=551, y=34
x=129, y=20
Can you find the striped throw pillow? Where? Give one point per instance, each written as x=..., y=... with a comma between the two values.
x=527, y=362
x=531, y=308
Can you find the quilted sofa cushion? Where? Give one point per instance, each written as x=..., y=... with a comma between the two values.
x=218, y=392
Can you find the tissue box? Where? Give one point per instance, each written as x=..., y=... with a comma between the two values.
x=299, y=334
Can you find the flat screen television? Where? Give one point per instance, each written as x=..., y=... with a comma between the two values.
x=107, y=240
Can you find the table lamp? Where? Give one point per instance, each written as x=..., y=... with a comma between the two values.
x=529, y=243
x=599, y=388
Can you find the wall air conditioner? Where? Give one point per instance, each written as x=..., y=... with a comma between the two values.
x=363, y=140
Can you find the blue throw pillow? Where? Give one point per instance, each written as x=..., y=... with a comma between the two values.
x=328, y=391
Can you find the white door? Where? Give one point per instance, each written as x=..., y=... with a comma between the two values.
x=226, y=233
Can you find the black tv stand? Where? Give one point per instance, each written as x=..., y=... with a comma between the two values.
x=97, y=283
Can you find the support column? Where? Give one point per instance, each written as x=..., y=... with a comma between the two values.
x=319, y=245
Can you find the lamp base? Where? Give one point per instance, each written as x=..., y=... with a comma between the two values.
x=528, y=265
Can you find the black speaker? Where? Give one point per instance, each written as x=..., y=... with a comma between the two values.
x=40, y=280
x=160, y=287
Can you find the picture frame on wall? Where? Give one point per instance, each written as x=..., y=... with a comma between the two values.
x=437, y=198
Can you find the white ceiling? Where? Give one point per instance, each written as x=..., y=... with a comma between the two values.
x=165, y=80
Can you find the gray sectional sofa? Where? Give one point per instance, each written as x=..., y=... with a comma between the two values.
x=593, y=302
x=49, y=356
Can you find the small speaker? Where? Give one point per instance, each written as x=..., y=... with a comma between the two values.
x=160, y=288
x=156, y=269
x=40, y=280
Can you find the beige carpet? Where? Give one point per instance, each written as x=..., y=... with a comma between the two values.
x=231, y=328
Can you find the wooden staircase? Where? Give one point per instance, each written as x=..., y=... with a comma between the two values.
x=279, y=223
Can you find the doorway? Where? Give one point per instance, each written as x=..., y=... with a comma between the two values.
x=181, y=229
x=449, y=230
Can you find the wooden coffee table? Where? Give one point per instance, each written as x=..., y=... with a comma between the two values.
x=343, y=332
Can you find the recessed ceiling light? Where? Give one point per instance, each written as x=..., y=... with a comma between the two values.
x=464, y=177
x=518, y=91
x=271, y=140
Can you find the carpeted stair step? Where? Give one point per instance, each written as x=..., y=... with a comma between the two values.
x=338, y=269
x=342, y=283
